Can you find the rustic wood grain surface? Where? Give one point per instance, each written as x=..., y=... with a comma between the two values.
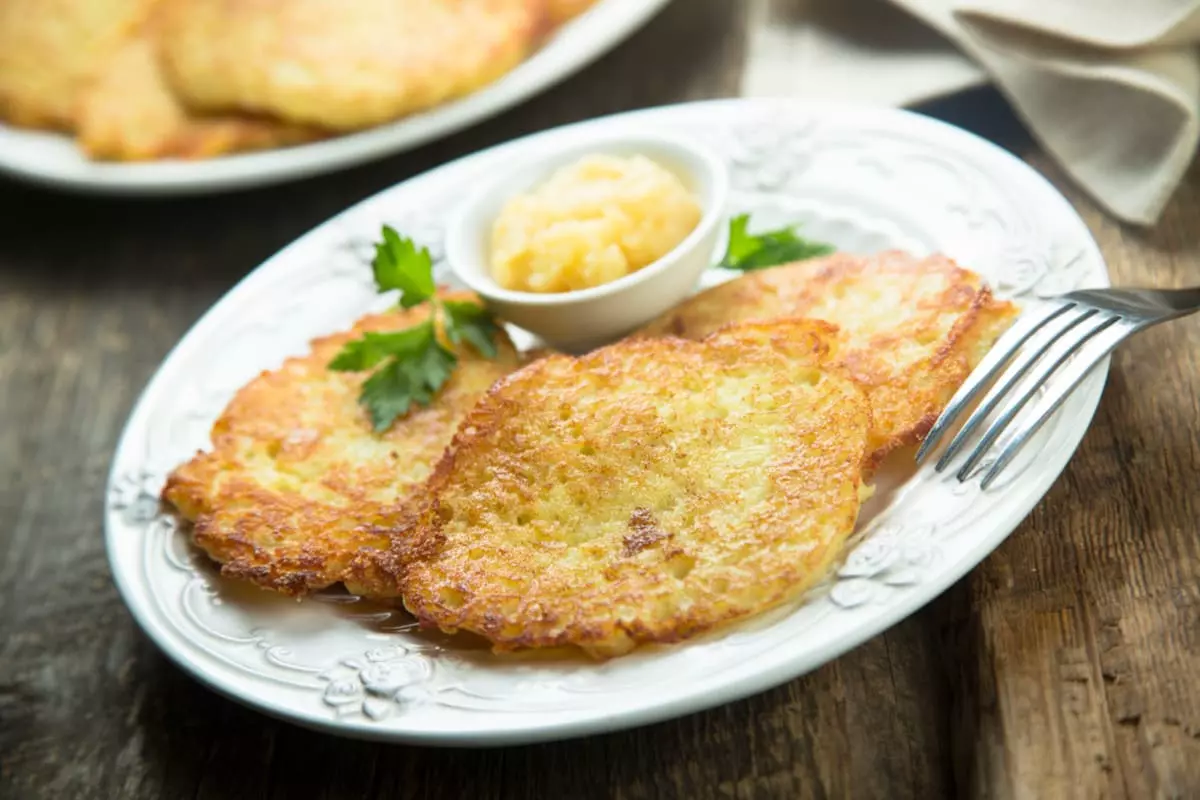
x=1067, y=665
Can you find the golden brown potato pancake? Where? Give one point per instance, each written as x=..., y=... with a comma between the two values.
x=129, y=113
x=296, y=482
x=642, y=493
x=51, y=51
x=342, y=66
x=911, y=328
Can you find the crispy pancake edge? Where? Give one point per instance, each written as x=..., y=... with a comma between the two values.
x=204, y=489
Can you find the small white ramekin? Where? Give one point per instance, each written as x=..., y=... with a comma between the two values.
x=580, y=320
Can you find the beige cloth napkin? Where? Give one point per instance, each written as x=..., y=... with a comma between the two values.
x=1111, y=88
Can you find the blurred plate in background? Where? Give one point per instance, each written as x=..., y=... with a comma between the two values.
x=54, y=160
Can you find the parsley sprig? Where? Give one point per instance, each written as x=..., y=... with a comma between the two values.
x=748, y=252
x=411, y=365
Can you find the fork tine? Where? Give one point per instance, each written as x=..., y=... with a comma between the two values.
x=1004, y=349
x=1071, y=377
x=996, y=428
x=1023, y=363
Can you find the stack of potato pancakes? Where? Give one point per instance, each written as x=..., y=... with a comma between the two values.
x=707, y=468
x=147, y=79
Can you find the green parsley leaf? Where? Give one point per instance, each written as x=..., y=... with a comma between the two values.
x=470, y=322
x=411, y=365
x=435, y=365
x=387, y=395
x=741, y=243
x=415, y=366
x=400, y=265
x=747, y=252
x=373, y=348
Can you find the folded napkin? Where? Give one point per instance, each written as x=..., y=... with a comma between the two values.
x=1111, y=88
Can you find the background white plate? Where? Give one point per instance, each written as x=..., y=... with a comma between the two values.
x=862, y=179
x=53, y=159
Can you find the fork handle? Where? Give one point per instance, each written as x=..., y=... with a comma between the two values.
x=1159, y=305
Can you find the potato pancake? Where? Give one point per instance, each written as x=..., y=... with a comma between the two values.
x=565, y=10
x=296, y=483
x=128, y=113
x=645, y=492
x=51, y=51
x=342, y=66
x=912, y=329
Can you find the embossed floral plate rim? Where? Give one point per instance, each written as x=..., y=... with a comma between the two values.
x=52, y=159
x=838, y=167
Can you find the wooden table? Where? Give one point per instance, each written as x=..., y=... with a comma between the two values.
x=1067, y=665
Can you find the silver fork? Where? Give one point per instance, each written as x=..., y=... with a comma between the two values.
x=1054, y=347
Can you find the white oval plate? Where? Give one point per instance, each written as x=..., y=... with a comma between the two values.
x=53, y=159
x=862, y=179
